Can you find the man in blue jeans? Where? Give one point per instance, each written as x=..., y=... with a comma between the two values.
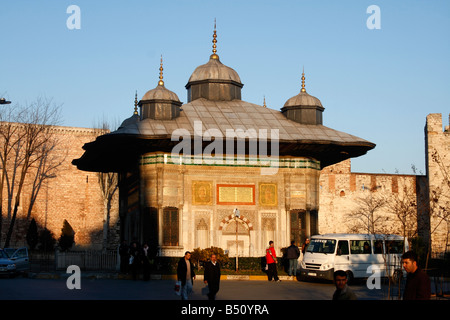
x=185, y=274
x=293, y=252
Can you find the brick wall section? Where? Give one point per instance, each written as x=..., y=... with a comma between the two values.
x=340, y=188
x=72, y=195
x=338, y=199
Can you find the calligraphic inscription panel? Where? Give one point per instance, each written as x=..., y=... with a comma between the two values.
x=229, y=194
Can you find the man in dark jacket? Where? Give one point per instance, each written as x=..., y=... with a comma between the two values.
x=212, y=277
x=135, y=259
x=418, y=286
x=124, y=257
x=293, y=252
x=185, y=274
x=342, y=292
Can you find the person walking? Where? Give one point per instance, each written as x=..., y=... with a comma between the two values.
x=135, y=260
x=212, y=276
x=271, y=259
x=305, y=246
x=185, y=274
x=124, y=257
x=146, y=262
x=293, y=252
x=418, y=285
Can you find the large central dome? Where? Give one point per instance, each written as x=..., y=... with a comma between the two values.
x=214, y=80
x=214, y=70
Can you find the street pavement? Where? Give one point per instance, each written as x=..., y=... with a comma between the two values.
x=114, y=297
x=20, y=288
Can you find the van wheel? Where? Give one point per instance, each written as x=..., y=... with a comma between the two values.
x=350, y=277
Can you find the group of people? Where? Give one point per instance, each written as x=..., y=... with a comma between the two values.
x=418, y=286
x=212, y=273
x=186, y=276
x=134, y=259
x=292, y=254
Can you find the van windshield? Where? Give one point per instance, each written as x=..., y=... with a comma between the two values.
x=321, y=246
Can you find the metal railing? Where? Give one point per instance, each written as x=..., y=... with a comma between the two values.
x=88, y=260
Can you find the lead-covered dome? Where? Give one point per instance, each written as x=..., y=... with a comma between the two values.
x=160, y=103
x=214, y=80
x=303, y=99
x=303, y=108
x=214, y=70
x=160, y=93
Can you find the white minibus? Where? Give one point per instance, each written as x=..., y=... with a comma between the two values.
x=354, y=254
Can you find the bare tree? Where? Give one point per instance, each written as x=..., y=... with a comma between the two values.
x=403, y=206
x=46, y=168
x=32, y=136
x=109, y=183
x=8, y=139
x=366, y=216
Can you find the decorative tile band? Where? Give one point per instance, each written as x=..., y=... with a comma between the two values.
x=267, y=162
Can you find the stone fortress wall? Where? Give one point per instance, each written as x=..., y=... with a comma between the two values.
x=75, y=196
x=437, y=149
x=70, y=194
x=342, y=192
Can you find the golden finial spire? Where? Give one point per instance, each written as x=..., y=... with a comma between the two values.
x=135, y=103
x=214, y=55
x=161, y=82
x=264, y=105
x=303, y=81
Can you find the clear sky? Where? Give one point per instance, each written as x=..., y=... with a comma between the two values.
x=377, y=84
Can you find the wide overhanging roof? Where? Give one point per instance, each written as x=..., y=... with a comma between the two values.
x=121, y=149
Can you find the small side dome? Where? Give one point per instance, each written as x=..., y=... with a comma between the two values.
x=160, y=93
x=303, y=108
x=303, y=99
x=135, y=118
x=160, y=103
x=129, y=121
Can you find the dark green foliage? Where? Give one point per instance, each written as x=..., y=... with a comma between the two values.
x=200, y=256
x=254, y=264
x=67, y=238
x=32, y=235
x=47, y=240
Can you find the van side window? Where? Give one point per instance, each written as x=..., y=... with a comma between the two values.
x=378, y=247
x=360, y=247
x=342, y=247
x=394, y=246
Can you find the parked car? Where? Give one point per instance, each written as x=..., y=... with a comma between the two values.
x=14, y=261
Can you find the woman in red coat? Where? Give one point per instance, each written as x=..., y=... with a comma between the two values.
x=271, y=259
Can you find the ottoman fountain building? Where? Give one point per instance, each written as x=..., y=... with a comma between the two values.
x=185, y=168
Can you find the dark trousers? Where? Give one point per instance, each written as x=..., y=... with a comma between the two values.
x=272, y=272
x=124, y=261
x=213, y=289
x=146, y=271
